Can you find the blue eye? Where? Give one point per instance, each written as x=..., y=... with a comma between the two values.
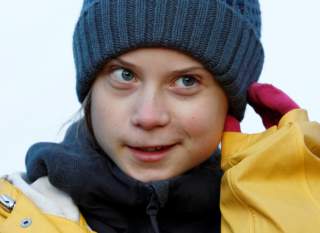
x=186, y=81
x=123, y=75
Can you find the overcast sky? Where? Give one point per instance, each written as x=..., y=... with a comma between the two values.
x=38, y=79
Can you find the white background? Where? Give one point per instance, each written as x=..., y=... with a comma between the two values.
x=37, y=77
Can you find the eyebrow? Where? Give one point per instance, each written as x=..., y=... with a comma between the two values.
x=185, y=70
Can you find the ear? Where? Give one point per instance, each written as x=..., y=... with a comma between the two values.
x=231, y=124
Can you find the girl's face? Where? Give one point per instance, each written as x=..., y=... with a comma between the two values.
x=157, y=113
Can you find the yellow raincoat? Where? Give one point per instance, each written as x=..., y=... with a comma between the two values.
x=271, y=182
x=26, y=217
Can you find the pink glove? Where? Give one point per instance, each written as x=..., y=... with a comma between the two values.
x=268, y=101
x=232, y=124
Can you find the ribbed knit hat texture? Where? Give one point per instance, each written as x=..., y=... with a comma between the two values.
x=224, y=35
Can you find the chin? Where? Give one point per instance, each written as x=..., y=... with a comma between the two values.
x=149, y=176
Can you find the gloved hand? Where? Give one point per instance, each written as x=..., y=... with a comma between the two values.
x=268, y=101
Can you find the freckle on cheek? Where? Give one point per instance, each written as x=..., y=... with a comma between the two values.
x=195, y=124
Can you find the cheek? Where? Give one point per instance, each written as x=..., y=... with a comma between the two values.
x=203, y=120
x=195, y=124
x=107, y=120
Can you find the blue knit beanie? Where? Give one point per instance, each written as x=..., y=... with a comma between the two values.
x=224, y=35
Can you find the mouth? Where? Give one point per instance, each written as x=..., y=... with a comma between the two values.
x=151, y=154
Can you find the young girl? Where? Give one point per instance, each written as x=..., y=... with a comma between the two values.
x=160, y=81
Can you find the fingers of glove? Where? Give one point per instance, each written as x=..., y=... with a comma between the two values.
x=270, y=98
x=269, y=118
x=232, y=124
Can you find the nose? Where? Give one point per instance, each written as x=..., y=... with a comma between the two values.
x=150, y=112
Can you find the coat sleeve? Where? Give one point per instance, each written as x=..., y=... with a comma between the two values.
x=271, y=179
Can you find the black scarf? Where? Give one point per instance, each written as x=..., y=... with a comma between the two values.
x=113, y=202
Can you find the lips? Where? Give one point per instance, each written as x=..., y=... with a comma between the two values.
x=152, y=149
x=150, y=153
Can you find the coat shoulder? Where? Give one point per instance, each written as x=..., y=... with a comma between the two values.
x=39, y=207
